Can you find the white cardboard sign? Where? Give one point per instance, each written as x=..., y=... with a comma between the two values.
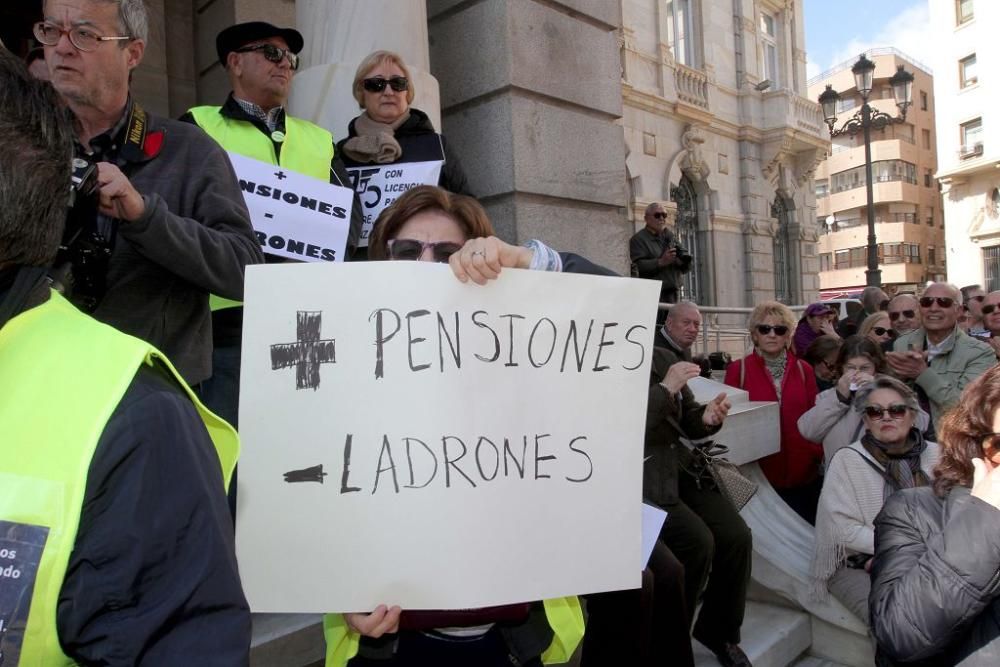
x=380, y=185
x=412, y=440
x=294, y=215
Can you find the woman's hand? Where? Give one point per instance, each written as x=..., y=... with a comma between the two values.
x=481, y=259
x=384, y=619
x=986, y=481
x=716, y=410
x=827, y=329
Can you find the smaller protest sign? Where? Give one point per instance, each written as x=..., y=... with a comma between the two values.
x=294, y=215
x=21, y=548
x=378, y=186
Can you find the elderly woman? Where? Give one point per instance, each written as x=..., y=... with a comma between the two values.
x=430, y=224
x=878, y=328
x=772, y=373
x=813, y=324
x=935, y=596
x=890, y=455
x=389, y=130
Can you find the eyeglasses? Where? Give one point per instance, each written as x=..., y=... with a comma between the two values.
x=660, y=216
x=412, y=249
x=896, y=411
x=378, y=84
x=908, y=314
x=779, y=330
x=943, y=301
x=989, y=308
x=272, y=53
x=881, y=331
x=82, y=37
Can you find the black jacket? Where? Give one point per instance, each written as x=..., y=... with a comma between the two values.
x=645, y=249
x=421, y=142
x=664, y=453
x=935, y=596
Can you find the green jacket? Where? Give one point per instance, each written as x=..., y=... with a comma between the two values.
x=963, y=360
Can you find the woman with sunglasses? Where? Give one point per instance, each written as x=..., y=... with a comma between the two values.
x=772, y=373
x=429, y=224
x=878, y=328
x=389, y=130
x=935, y=596
x=890, y=455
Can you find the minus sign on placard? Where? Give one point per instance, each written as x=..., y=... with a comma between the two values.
x=269, y=215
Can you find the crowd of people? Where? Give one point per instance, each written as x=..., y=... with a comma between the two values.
x=119, y=444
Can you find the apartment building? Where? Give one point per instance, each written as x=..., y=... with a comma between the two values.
x=967, y=62
x=909, y=225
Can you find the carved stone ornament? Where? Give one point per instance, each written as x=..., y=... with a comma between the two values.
x=992, y=207
x=693, y=163
x=806, y=164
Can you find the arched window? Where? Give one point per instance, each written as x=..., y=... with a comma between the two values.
x=782, y=266
x=687, y=235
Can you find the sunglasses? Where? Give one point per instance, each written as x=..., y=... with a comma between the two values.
x=943, y=301
x=881, y=331
x=412, y=250
x=272, y=53
x=896, y=411
x=378, y=84
x=989, y=308
x=779, y=330
x=908, y=314
x=660, y=216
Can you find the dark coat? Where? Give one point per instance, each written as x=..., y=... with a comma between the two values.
x=935, y=596
x=413, y=136
x=663, y=451
x=645, y=249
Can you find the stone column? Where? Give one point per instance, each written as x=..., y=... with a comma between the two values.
x=338, y=36
x=531, y=101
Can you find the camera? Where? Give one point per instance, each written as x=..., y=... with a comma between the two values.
x=80, y=270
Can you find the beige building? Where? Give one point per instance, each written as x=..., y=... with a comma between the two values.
x=909, y=226
x=967, y=57
x=719, y=128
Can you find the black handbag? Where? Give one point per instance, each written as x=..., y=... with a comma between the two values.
x=710, y=463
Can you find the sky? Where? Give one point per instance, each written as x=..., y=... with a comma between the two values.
x=839, y=30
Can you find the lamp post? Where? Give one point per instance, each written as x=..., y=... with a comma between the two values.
x=863, y=121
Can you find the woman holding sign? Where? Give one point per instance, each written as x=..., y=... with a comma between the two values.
x=431, y=225
x=391, y=146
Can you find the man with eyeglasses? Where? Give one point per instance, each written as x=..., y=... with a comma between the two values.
x=972, y=297
x=938, y=357
x=904, y=314
x=656, y=254
x=991, y=320
x=261, y=60
x=169, y=208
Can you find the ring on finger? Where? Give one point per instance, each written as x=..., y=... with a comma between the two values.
x=481, y=253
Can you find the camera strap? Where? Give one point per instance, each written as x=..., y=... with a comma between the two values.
x=135, y=135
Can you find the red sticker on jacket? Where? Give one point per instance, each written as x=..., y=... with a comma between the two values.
x=154, y=142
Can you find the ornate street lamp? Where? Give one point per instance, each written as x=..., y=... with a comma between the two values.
x=864, y=121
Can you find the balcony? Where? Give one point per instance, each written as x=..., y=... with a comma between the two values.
x=691, y=86
x=970, y=151
x=785, y=109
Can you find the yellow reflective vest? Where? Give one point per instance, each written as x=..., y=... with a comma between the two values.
x=306, y=148
x=564, y=615
x=63, y=374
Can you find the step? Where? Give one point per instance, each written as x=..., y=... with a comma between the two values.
x=813, y=661
x=773, y=636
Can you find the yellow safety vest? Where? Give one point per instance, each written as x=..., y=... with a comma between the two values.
x=564, y=615
x=63, y=374
x=307, y=149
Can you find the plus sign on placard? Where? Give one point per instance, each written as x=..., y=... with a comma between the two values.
x=307, y=353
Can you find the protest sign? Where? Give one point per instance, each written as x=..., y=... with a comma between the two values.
x=412, y=440
x=378, y=186
x=294, y=215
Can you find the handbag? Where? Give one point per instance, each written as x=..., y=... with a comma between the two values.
x=710, y=462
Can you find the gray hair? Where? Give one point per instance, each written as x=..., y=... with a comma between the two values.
x=885, y=382
x=683, y=305
x=133, y=19
x=871, y=297
x=957, y=293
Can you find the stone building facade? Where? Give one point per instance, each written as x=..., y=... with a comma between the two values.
x=717, y=126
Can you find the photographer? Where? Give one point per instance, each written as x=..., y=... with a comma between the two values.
x=656, y=254
x=169, y=207
x=113, y=524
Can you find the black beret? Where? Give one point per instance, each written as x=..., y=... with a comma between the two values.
x=241, y=34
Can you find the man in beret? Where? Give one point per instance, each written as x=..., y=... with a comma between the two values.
x=261, y=60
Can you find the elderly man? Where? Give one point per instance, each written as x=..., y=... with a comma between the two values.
x=873, y=299
x=261, y=60
x=973, y=297
x=991, y=320
x=904, y=313
x=170, y=210
x=680, y=330
x=939, y=358
x=656, y=254
x=113, y=516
